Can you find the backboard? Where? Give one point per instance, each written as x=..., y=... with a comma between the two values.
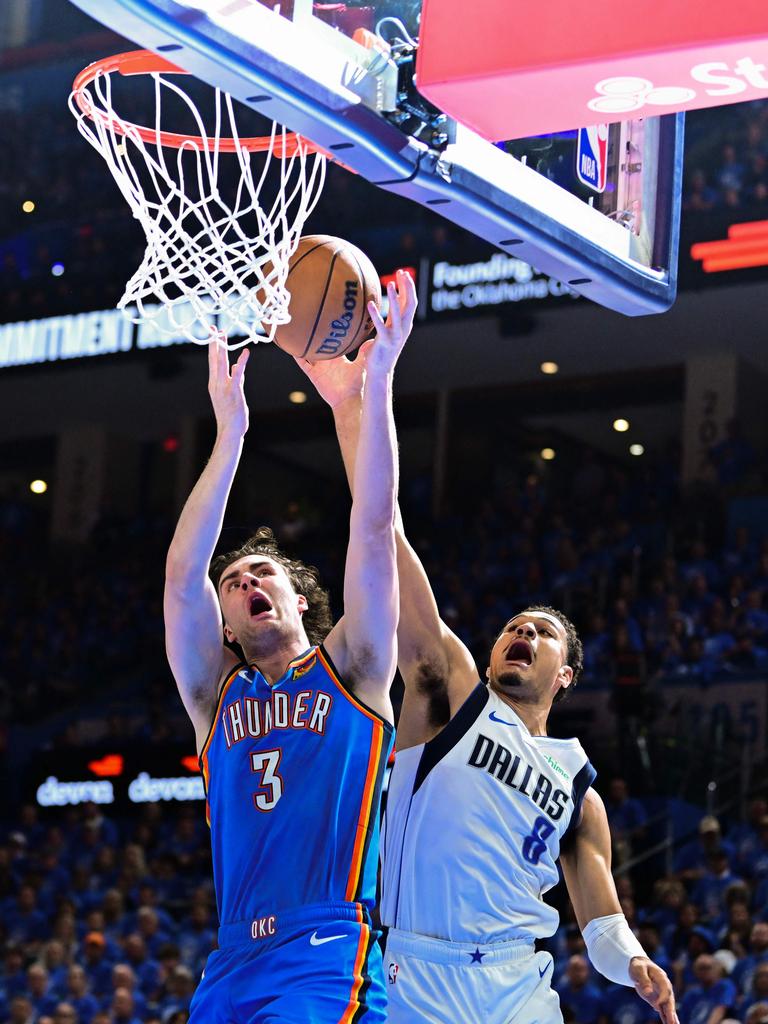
x=597, y=208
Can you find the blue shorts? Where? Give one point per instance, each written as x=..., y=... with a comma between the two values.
x=316, y=965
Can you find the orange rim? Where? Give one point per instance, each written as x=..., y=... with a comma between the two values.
x=145, y=62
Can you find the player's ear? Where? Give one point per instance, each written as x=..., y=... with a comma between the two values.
x=565, y=676
x=488, y=673
x=303, y=604
x=229, y=635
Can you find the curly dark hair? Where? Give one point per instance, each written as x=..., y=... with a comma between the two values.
x=574, y=651
x=317, y=618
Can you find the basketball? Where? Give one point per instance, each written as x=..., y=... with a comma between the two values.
x=331, y=283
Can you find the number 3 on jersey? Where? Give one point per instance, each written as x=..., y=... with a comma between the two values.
x=265, y=763
x=534, y=845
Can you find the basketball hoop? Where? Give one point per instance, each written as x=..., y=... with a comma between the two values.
x=209, y=263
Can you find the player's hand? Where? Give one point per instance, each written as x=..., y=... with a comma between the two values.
x=337, y=380
x=225, y=386
x=342, y=380
x=652, y=985
x=392, y=335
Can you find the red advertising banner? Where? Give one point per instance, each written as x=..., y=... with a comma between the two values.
x=509, y=71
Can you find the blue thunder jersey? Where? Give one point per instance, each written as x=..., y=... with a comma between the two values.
x=293, y=776
x=474, y=824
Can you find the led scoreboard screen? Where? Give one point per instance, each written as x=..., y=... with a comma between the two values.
x=113, y=777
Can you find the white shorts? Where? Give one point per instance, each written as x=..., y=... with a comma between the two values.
x=458, y=983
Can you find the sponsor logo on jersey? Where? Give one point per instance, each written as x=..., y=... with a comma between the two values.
x=513, y=771
x=543, y=971
x=264, y=927
x=556, y=767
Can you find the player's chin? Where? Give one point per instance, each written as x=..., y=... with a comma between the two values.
x=509, y=679
x=262, y=627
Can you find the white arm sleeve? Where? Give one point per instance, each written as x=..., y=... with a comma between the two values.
x=610, y=946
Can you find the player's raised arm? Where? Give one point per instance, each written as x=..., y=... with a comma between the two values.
x=193, y=626
x=611, y=945
x=363, y=644
x=436, y=666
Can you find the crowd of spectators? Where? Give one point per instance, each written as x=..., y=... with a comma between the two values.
x=72, y=619
x=110, y=921
x=727, y=159
x=659, y=587
x=655, y=592
x=104, y=922
x=706, y=924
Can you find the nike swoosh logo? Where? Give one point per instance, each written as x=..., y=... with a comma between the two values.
x=314, y=941
x=494, y=718
x=542, y=973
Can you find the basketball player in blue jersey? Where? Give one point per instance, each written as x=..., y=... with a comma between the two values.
x=294, y=733
x=481, y=805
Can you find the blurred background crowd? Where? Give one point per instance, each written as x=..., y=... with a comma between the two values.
x=110, y=919
x=107, y=912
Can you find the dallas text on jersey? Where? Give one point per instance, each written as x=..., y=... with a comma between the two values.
x=513, y=771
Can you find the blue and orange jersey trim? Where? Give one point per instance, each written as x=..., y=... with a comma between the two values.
x=360, y=956
x=361, y=980
x=378, y=754
x=303, y=663
x=203, y=758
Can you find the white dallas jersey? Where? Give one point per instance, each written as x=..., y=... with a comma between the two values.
x=474, y=823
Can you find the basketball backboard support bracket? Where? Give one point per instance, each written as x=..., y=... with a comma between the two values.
x=332, y=95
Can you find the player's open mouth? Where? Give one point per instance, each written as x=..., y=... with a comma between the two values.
x=520, y=652
x=259, y=604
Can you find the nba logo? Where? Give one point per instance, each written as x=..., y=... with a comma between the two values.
x=592, y=156
x=393, y=969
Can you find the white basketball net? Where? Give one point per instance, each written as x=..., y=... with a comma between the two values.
x=212, y=262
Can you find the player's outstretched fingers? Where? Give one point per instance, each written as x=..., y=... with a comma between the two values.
x=218, y=357
x=238, y=370
x=668, y=1013
x=407, y=296
x=394, y=319
x=652, y=984
x=213, y=361
x=375, y=315
x=665, y=996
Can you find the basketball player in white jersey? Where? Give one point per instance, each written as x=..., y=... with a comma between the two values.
x=481, y=805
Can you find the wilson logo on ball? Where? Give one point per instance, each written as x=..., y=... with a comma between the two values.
x=339, y=328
